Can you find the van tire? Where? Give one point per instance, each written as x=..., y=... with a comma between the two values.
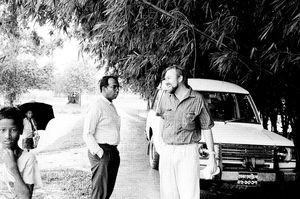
x=153, y=155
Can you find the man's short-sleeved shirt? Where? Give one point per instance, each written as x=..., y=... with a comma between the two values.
x=29, y=171
x=183, y=120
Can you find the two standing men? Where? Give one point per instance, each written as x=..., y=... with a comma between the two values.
x=102, y=135
x=185, y=116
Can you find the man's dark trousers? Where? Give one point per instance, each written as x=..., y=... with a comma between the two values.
x=104, y=171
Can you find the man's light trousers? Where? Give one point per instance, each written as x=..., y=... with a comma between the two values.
x=179, y=172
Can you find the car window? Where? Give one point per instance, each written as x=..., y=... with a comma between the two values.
x=230, y=107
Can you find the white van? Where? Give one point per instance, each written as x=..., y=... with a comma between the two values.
x=246, y=153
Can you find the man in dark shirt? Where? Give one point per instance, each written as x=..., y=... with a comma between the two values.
x=185, y=117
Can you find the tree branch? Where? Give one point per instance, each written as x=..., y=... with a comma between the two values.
x=206, y=36
x=185, y=23
x=2, y=59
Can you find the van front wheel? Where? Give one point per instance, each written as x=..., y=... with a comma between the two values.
x=153, y=155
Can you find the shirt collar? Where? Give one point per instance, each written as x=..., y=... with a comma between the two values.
x=189, y=94
x=105, y=99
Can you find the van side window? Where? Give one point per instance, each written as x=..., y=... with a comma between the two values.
x=230, y=107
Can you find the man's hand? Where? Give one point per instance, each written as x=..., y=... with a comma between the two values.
x=211, y=169
x=9, y=159
x=100, y=153
x=212, y=164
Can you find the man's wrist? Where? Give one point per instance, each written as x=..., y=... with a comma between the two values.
x=100, y=153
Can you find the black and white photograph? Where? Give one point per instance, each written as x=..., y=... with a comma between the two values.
x=149, y=99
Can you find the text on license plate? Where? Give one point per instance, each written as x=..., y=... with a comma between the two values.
x=247, y=179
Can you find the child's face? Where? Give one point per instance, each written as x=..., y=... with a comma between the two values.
x=29, y=114
x=9, y=133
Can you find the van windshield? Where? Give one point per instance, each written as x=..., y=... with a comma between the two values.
x=230, y=107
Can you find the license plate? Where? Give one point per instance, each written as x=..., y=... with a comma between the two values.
x=249, y=179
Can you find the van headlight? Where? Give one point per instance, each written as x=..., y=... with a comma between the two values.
x=204, y=153
x=286, y=154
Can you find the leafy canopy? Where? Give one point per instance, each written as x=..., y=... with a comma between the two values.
x=18, y=71
x=253, y=43
x=77, y=78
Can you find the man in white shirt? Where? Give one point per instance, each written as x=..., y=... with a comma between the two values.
x=101, y=134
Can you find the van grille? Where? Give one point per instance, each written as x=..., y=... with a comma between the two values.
x=246, y=157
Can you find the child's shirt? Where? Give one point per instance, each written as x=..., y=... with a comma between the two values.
x=29, y=171
x=29, y=127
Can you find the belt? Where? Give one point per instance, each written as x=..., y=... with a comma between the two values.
x=107, y=145
x=181, y=143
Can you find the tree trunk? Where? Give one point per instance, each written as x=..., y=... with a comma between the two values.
x=9, y=99
x=265, y=119
x=296, y=132
x=12, y=8
x=273, y=118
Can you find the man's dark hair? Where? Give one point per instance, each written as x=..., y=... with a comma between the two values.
x=103, y=82
x=179, y=71
x=13, y=113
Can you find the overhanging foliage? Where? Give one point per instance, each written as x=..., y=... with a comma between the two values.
x=240, y=41
x=253, y=43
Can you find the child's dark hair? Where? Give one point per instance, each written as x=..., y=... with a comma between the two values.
x=13, y=113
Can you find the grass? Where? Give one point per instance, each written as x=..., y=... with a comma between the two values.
x=66, y=184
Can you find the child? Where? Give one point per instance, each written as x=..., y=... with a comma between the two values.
x=28, y=131
x=19, y=172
